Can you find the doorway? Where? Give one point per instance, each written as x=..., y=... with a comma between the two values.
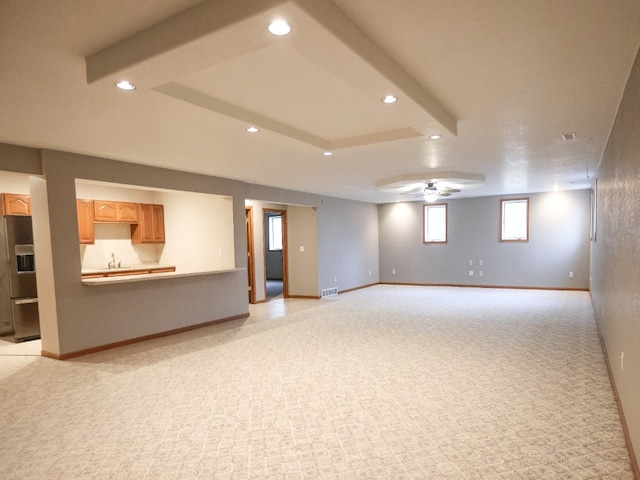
x=275, y=242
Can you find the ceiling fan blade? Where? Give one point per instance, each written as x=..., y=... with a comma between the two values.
x=414, y=191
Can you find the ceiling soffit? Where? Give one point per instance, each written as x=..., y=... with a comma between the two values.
x=321, y=85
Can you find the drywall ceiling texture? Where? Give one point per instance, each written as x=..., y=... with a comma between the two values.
x=615, y=285
x=501, y=79
x=558, y=244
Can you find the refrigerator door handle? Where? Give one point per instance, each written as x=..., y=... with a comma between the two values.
x=23, y=301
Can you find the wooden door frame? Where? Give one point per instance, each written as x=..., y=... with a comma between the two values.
x=285, y=249
x=251, y=270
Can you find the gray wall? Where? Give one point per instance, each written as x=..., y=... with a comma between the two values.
x=302, y=235
x=20, y=159
x=347, y=236
x=79, y=317
x=615, y=285
x=90, y=316
x=343, y=262
x=559, y=244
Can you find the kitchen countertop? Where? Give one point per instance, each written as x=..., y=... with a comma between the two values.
x=125, y=269
x=146, y=276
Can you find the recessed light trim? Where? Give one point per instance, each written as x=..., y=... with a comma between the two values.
x=253, y=129
x=125, y=85
x=435, y=136
x=389, y=99
x=279, y=28
x=327, y=154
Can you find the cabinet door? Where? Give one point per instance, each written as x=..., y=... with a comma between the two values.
x=127, y=212
x=158, y=223
x=85, y=221
x=142, y=232
x=104, y=211
x=150, y=226
x=14, y=204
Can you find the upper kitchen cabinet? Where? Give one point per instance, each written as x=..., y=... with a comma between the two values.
x=105, y=211
x=150, y=226
x=85, y=222
x=14, y=204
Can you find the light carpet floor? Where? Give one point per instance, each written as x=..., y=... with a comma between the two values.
x=382, y=383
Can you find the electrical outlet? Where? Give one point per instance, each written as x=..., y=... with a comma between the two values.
x=369, y=272
x=480, y=262
x=570, y=274
x=622, y=361
x=301, y=248
x=335, y=279
x=470, y=262
x=480, y=273
x=471, y=273
x=393, y=272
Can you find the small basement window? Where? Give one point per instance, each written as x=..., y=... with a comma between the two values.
x=514, y=220
x=435, y=223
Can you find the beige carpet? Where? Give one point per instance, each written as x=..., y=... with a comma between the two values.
x=382, y=383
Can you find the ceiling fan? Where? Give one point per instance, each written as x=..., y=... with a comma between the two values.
x=431, y=191
x=430, y=185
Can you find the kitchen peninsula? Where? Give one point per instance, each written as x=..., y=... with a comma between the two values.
x=144, y=276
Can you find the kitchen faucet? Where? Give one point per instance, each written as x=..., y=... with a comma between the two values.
x=112, y=263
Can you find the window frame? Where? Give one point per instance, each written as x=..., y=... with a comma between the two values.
x=504, y=201
x=425, y=208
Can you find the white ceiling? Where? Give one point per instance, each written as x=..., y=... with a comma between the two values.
x=501, y=80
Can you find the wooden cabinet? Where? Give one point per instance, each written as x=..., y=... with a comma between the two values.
x=104, y=211
x=14, y=204
x=127, y=212
x=146, y=219
x=150, y=226
x=115, y=212
x=85, y=221
x=158, y=224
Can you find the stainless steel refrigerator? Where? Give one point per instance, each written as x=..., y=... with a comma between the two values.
x=19, y=318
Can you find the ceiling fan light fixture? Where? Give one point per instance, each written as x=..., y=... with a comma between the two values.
x=125, y=85
x=430, y=196
x=279, y=28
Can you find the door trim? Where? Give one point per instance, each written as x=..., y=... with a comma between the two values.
x=285, y=250
x=251, y=271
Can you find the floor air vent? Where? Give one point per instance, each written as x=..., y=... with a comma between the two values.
x=329, y=292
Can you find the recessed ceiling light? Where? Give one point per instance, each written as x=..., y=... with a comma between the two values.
x=253, y=129
x=279, y=27
x=435, y=136
x=327, y=154
x=125, y=85
x=389, y=99
x=568, y=136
